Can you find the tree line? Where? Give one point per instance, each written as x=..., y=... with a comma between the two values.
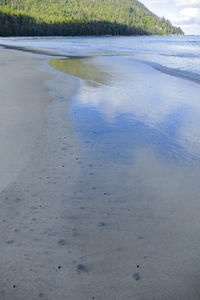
x=76, y=17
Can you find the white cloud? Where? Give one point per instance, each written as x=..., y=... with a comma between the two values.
x=186, y=3
x=191, y=29
x=191, y=12
x=154, y=1
x=189, y=15
x=183, y=13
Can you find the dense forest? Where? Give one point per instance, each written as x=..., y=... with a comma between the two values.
x=80, y=17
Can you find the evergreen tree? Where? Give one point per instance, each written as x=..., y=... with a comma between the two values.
x=78, y=17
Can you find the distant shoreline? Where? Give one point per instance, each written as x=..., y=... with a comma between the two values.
x=51, y=53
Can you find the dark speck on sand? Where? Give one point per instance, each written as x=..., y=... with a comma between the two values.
x=102, y=224
x=81, y=268
x=62, y=242
x=136, y=276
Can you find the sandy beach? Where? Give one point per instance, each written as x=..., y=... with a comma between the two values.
x=79, y=220
x=22, y=111
x=34, y=178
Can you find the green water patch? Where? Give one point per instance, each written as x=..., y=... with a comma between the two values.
x=83, y=68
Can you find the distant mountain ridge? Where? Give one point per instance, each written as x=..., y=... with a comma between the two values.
x=78, y=17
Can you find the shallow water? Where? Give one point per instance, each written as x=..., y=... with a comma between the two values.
x=140, y=163
x=174, y=54
x=128, y=103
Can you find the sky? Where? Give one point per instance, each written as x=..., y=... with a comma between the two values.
x=183, y=13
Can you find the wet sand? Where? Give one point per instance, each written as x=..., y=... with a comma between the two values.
x=78, y=219
x=38, y=171
x=23, y=99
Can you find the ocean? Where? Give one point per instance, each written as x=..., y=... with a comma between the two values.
x=176, y=54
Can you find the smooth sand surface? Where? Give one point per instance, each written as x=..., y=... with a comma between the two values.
x=76, y=225
x=35, y=184
x=22, y=101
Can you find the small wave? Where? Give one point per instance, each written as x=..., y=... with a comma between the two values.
x=181, y=55
x=174, y=72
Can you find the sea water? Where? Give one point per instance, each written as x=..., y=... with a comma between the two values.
x=179, y=54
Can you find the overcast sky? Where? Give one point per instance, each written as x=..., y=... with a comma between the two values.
x=183, y=13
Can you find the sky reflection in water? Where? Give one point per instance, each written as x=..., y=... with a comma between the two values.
x=123, y=105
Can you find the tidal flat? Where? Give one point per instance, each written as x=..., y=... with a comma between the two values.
x=102, y=201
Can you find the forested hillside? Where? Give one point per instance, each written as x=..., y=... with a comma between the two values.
x=80, y=17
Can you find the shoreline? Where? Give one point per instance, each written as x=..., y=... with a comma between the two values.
x=40, y=177
x=34, y=51
x=30, y=86
x=38, y=51
x=156, y=66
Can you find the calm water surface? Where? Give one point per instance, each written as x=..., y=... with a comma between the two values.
x=178, y=54
x=140, y=159
x=131, y=105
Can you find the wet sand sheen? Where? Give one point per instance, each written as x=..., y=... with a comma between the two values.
x=140, y=166
x=87, y=220
x=23, y=99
